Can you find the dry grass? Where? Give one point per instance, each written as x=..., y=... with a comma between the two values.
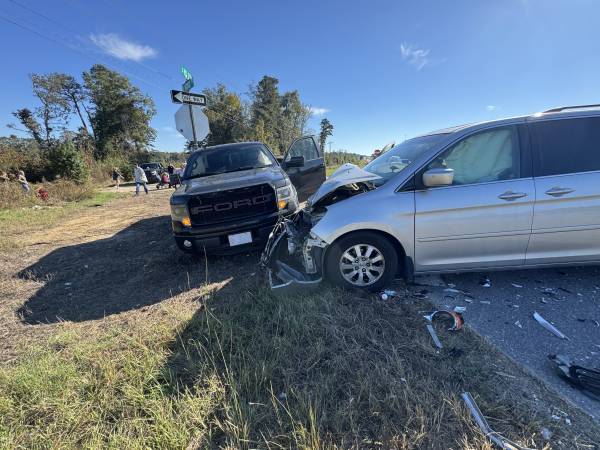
x=247, y=370
x=61, y=191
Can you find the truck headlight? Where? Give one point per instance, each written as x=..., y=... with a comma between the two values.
x=179, y=213
x=284, y=196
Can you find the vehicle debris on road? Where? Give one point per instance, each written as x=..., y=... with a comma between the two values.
x=434, y=336
x=456, y=317
x=548, y=326
x=496, y=438
x=581, y=377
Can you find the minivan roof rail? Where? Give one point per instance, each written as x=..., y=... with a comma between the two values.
x=567, y=108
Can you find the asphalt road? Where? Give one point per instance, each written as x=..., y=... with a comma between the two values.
x=569, y=298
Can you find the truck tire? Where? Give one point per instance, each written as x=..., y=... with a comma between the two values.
x=362, y=260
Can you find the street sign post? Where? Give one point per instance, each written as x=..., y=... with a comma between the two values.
x=189, y=84
x=188, y=98
x=192, y=123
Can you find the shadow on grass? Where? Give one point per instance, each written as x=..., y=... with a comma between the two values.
x=137, y=267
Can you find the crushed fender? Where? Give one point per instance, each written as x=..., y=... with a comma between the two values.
x=548, y=326
x=456, y=317
x=496, y=438
x=581, y=377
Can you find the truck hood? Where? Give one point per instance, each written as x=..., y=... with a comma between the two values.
x=345, y=174
x=273, y=175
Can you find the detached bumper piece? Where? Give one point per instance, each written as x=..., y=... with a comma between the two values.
x=287, y=280
x=291, y=257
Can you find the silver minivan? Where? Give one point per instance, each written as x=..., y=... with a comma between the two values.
x=512, y=193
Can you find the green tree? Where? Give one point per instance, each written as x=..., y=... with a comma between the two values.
x=65, y=161
x=119, y=113
x=293, y=119
x=226, y=115
x=265, y=112
x=326, y=131
x=54, y=110
x=28, y=120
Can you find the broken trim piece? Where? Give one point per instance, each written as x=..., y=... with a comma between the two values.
x=496, y=438
x=548, y=326
x=434, y=336
x=581, y=377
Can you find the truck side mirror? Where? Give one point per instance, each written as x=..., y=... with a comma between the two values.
x=295, y=161
x=438, y=177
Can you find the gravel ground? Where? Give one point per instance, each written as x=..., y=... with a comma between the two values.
x=569, y=298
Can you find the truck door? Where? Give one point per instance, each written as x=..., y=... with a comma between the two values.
x=305, y=165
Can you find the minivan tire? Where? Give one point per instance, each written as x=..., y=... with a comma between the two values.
x=363, y=239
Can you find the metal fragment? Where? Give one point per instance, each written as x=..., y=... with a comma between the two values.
x=548, y=326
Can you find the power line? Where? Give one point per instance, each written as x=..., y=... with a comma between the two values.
x=55, y=22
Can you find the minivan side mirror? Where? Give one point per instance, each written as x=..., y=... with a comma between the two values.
x=295, y=161
x=438, y=177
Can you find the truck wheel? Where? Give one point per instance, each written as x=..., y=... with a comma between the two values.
x=363, y=260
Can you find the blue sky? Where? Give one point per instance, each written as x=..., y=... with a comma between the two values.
x=379, y=70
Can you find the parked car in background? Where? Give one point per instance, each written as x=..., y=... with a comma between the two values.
x=232, y=195
x=512, y=193
x=152, y=171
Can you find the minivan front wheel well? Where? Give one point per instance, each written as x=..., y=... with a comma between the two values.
x=370, y=242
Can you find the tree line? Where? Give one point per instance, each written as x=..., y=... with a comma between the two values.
x=102, y=120
x=266, y=115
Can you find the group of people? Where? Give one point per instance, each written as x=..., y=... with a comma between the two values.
x=19, y=177
x=169, y=178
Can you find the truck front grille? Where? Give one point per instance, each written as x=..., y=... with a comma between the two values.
x=225, y=206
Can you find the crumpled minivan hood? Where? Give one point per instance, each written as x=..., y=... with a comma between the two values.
x=345, y=174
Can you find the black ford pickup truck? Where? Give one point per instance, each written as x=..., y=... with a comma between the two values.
x=231, y=195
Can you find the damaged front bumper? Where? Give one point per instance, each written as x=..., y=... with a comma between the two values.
x=293, y=256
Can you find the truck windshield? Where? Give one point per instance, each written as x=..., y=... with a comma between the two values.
x=213, y=161
x=396, y=159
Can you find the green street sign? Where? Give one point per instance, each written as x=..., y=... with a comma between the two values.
x=188, y=85
x=186, y=73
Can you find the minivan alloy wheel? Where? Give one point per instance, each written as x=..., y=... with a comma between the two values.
x=362, y=264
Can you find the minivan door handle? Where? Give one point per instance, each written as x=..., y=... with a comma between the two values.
x=558, y=191
x=510, y=195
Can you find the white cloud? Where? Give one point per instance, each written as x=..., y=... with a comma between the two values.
x=416, y=57
x=118, y=47
x=318, y=111
x=491, y=107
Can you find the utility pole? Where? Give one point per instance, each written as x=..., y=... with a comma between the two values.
x=330, y=142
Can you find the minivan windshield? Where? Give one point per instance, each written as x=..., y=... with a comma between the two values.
x=213, y=161
x=396, y=159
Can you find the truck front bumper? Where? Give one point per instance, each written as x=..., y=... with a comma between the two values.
x=214, y=239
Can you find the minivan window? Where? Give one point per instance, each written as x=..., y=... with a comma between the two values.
x=213, y=161
x=396, y=159
x=566, y=146
x=483, y=157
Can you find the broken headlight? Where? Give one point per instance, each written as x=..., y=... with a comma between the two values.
x=286, y=196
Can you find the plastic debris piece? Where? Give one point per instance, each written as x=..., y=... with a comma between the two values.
x=460, y=309
x=518, y=286
x=548, y=326
x=546, y=434
x=486, y=283
x=518, y=323
x=485, y=302
x=434, y=336
x=457, y=317
x=452, y=290
x=583, y=378
x=496, y=438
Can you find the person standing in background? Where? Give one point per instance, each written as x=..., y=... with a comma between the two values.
x=24, y=184
x=117, y=177
x=140, y=178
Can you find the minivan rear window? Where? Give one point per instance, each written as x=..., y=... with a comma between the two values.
x=566, y=146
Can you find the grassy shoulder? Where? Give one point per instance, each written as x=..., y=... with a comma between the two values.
x=239, y=368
